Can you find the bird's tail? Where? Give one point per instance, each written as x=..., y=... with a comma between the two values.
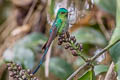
x=46, y=47
x=41, y=61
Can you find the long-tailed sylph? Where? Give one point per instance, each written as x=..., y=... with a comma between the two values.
x=59, y=26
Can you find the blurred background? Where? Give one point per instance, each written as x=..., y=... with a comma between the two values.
x=24, y=28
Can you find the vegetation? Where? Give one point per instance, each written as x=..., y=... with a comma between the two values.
x=88, y=51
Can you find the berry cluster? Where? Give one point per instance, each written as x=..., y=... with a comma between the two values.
x=70, y=43
x=16, y=71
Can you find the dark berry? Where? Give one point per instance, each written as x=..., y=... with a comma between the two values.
x=67, y=46
x=71, y=48
x=11, y=74
x=59, y=43
x=14, y=72
x=80, y=49
x=72, y=37
x=64, y=40
x=17, y=65
x=61, y=40
x=29, y=71
x=81, y=46
x=74, y=40
x=8, y=65
x=77, y=45
x=68, y=35
x=10, y=68
x=74, y=53
x=31, y=75
x=67, y=40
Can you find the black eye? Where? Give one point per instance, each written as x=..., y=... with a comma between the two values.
x=62, y=12
x=66, y=15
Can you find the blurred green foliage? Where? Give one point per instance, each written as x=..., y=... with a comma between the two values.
x=24, y=49
x=89, y=35
x=5, y=8
x=89, y=75
x=114, y=51
x=107, y=5
x=60, y=68
x=100, y=69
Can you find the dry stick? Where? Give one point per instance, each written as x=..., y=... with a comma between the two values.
x=47, y=61
x=30, y=11
x=91, y=60
x=102, y=27
x=110, y=74
x=3, y=25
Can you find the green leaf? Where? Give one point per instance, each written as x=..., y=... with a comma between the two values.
x=106, y=5
x=89, y=75
x=90, y=36
x=116, y=34
x=8, y=55
x=115, y=54
x=60, y=68
x=24, y=56
x=32, y=40
x=20, y=55
x=100, y=69
x=114, y=51
x=79, y=62
x=117, y=67
x=23, y=51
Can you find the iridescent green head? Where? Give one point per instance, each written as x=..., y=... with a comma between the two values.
x=62, y=13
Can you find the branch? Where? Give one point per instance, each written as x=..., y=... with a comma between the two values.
x=77, y=71
x=30, y=11
x=70, y=43
x=91, y=60
x=103, y=50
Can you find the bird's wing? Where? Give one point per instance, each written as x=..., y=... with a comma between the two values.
x=53, y=34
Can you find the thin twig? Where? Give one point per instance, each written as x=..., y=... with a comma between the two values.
x=91, y=60
x=77, y=71
x=30, y=11
x=102, y=26
x=5, y=24
x=82, y=57
x=103, y=50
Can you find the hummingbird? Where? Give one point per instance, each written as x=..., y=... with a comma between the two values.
x=59, y=26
